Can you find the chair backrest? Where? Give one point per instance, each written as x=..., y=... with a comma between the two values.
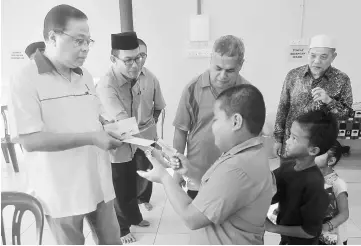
x=4, y=108
x=22, y=203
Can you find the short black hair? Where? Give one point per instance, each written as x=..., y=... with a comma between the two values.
x=337, y=150
x=322, y=128
x=57, y=18
x=248, y=101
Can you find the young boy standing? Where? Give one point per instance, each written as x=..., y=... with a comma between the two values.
x=302, y=198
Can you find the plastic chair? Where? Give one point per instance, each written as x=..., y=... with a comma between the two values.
x=22, y=203
x=7, y=146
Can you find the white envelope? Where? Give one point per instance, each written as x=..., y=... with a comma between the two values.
x=138, y=141
x=127, y=126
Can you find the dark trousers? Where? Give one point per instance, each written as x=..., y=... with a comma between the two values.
x=126, y=204
x=192, y=193
x=144, y=186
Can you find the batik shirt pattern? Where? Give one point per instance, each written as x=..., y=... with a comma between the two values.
x=296, y=97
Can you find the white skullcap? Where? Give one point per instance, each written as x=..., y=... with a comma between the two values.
x=322, y=41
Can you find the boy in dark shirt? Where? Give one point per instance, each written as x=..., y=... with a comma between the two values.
x=300, y=184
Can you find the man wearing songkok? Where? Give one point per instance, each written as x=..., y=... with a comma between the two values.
x=125, y=92
x=311, y=87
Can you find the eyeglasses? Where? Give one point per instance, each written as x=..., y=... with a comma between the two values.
x=129, y=62
x=143, y=55
x=78, y=42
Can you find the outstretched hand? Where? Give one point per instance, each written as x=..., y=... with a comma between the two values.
x=159, y=171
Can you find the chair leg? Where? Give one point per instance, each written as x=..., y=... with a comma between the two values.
x=12, y=153
x=2, y=230
x=4, y=148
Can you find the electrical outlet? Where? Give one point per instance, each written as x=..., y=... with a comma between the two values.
x=199, y=53
x=299, y=42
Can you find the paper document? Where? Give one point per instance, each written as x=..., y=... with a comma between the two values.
x=138, y=141
x=127, y=126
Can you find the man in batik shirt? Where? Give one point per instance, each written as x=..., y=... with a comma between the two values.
x=311, y=87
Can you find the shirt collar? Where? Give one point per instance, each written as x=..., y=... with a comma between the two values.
x=243, y=146
x=45, y=65
x=206, y=80
x=328, y=74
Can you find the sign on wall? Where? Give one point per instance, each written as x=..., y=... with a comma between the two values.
x=298, y=53
x=17, y=55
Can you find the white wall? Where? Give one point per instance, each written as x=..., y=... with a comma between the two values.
x=265, y=26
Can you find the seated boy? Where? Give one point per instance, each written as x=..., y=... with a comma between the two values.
x=236, y=191
x=300, y=184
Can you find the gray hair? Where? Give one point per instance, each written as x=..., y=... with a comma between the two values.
x=231, y=46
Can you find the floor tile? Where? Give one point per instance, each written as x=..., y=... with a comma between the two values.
x=27, y=220
x=355, y=215
x=29, y=237
x=144, y=238
x=352, y=229
x=272, y=239
x=172, y=239
x=354, y=241
x=171, y=222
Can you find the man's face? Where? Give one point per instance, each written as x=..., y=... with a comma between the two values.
x=224, y=70
x=222, y=127
x=297, y=146
x=128, y=63
x=319, y=59
x=72, y=45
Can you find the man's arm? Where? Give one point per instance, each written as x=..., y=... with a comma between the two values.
x=282, y=111
x=291, y=231
x=182, y=205
x=110, y=101
x=180, y=140
x=156, y=115
x=342, y=107
x=52, y=142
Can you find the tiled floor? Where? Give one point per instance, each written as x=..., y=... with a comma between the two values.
x=166, y=227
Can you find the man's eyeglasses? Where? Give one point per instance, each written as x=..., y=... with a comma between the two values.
x=129, y=62
x=143, y=55
x=78, y=42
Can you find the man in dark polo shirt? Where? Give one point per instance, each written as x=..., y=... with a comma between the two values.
x=302, y=198
x=236, y=191
x=194, y=115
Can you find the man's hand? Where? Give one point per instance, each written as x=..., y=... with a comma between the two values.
x=159, y=172
x=104, y=121
x=269, y=226
x=180, y=164
x=277, y=148
x=105, y=141
x=320, y=94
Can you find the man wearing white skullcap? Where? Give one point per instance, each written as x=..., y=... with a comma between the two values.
x=313, y=86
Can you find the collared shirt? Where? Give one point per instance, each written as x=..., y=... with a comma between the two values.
x=194, y=115
x=235, y=196
x=70, y=182
x=296, y=97
x=121, y=101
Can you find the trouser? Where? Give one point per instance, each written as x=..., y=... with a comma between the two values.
x=144, y=186
x=126, y=204
x=102, y=222
x=192, y=193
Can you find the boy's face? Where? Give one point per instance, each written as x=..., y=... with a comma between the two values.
x=224, y=127
x=297, y=146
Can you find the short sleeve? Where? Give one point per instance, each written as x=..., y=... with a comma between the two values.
x=217, y=201
x=159, y=102
x=182, y=119
x=339, y=186
x=24, y=107
x=315, y=203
